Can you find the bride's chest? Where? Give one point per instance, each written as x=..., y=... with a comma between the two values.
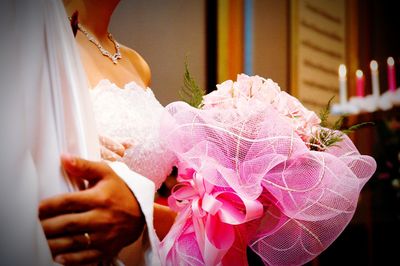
x=131, y=113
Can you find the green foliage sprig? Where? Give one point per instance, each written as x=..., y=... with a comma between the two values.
x=191, y=93
x=330, y=134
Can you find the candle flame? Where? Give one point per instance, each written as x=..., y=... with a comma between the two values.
x=359, y=73
x=390, y=61
x=373, y=65
x=342, y=70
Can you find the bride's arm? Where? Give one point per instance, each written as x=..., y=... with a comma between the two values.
x=164, y=218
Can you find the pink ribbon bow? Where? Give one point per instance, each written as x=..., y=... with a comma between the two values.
x=215, y=212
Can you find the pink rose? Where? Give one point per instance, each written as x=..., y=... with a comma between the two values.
x=249, y=93
x=221, y=97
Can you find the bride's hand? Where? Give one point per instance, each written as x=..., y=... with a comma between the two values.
x=110, y=149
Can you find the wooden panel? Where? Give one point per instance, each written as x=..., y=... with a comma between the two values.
x=318, y=47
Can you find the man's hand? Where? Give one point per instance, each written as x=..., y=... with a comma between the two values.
x=94, y=224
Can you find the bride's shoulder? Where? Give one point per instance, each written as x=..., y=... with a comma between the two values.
x=139, y=63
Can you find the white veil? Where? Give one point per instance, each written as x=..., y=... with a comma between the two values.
x=44, y=111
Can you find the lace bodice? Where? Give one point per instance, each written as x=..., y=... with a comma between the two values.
x=133, y=114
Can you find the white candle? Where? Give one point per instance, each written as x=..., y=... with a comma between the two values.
x=342, y=84
x=375, y=78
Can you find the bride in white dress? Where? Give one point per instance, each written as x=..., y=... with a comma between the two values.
x=126, y=111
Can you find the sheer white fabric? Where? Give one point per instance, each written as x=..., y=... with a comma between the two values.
x=132, y=114
x=45, y=110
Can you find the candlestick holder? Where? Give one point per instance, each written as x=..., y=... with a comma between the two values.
x=368, y=104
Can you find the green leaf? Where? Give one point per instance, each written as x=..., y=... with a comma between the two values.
x=357, y=126
x=329, y=135
x=338, y=123
x=191, y=93
x=324, y=113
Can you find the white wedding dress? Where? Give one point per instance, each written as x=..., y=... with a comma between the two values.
x=44, y=112
x=132, y=114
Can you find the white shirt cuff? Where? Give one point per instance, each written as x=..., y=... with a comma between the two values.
x=144, y=190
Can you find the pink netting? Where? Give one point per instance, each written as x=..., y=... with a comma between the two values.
x=248, y=179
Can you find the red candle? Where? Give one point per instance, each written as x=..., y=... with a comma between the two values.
x=360, y=83
x=391, y=74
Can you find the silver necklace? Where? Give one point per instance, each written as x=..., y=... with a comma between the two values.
x=113, y=57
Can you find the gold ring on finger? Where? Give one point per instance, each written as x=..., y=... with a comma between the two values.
x=88, y=239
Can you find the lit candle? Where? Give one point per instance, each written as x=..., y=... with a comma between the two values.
x=342, y=84
x=391, y=74
x=375, y=78
x=360, y=83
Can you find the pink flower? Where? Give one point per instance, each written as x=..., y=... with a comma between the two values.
x=253, y=92
x=303, y=120
x=222, y=97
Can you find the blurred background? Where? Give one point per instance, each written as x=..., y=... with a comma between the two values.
x=300, y=45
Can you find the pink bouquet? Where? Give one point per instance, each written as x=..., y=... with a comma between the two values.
x=253, y=170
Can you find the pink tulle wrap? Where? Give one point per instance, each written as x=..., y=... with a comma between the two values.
x=247, y=177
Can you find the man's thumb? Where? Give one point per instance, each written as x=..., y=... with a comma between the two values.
x=77, y=167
